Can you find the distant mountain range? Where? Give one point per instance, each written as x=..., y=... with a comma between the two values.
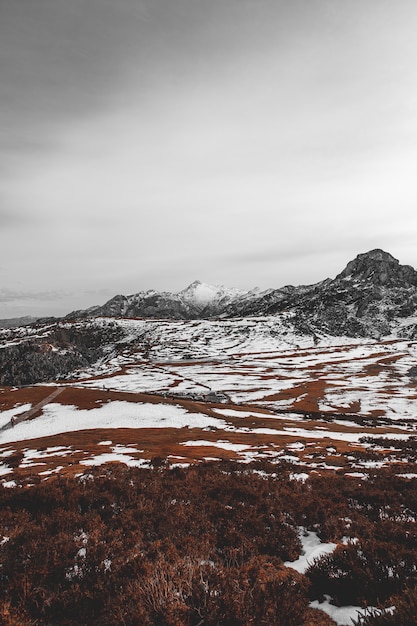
x=373, y=295
x=13, y=322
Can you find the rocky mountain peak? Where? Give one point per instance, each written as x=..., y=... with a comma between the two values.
x=192, y=288
x=379, y=268
x=202, y=294
x=199, y=292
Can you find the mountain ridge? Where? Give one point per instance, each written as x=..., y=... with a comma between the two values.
x=13, y=322
x=364, y=299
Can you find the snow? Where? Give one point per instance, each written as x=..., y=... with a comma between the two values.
x=262, y=357
x=319, y=433
x=30, y=456
x=57, y=419
x=48, y=452
x=302, y=477
x=5, y=416
x=357, y=475
x=119, y=449
x=297, y=445
x=369, y=464
x=408, y=476
x=4, y=469
x=312, y=548
x=342, y=615
x=349, y=540
x=100, y=459
x=137, y=379
x=203, y=294
x=226, y=445
x=5, y=453
x=56, y=470
x=261, y=361
x=234, y=413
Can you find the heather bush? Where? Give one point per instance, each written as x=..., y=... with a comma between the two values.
x=200, y=545
x=403, y=613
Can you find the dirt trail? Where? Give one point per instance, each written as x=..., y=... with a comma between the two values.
x=28, y=414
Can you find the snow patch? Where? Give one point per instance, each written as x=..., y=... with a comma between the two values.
x=226, y=445
x=342, y=615
x=57, y=418
x=5, y=416
x=312, y=548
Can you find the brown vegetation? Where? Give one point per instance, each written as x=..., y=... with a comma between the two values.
x=202, y=545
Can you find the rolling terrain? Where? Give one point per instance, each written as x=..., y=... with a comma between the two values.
x=313, y=389
x=207, y=389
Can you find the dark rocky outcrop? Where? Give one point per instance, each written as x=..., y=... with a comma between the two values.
x=29, y=363
x=54, y=352
x=381, y=269
x=367, y=299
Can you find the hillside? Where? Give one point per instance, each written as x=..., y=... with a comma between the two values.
x=13, y=322
x=307, y=393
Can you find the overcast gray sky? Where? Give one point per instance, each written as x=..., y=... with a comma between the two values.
x=148, y=143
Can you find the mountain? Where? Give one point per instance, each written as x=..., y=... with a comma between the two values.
x=198, y=300
x=371, y=297
x=380, y=268
x=13, y=322
x=204, y=297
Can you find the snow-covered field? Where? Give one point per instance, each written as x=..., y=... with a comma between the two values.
x=257, y=389
x=258, y=361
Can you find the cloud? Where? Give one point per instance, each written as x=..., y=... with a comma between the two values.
x=153, y=142
x=8, y=218
x=9, y=295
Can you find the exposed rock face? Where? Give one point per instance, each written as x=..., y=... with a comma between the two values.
x=380, y=268
x=371, y=297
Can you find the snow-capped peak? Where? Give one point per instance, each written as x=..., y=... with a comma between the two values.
x=203, y=294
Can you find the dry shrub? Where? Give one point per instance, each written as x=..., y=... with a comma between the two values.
x=404, y=613
x=199, y=545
